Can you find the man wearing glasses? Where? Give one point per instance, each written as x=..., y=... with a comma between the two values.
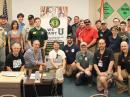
x=90, y=36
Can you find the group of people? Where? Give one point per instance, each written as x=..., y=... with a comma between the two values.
x=91, y=51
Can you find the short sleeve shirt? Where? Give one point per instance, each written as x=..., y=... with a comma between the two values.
x=124, y=62
x=105, y=59
x=70, y=52
x=57, y=56
x=35, y=34
x=15, y=63
x=84, y=59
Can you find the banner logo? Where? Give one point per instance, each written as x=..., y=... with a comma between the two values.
x=54, y=22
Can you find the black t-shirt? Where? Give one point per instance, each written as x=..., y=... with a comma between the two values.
x=70, y=53
x=105, y=35
x=124, y=62
x=103, y=61
x=15, y=63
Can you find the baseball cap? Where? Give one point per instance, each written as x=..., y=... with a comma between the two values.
x=30, y=17
x=103, y=22
x=87, y=21
x=69, y=36
x=83, y=44
x=3, y=17
x=128, y=19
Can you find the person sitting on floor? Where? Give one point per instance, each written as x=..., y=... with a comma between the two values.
x=57, y=57
x=84, y=64
x=70, y=50
x=123, y=69
x=103, y=64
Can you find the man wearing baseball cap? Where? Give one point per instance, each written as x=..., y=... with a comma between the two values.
x=70, y=50
x=84, y=64
x=28, y=27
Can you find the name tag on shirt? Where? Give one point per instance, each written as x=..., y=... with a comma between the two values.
x=72, y=50
x=100, y=63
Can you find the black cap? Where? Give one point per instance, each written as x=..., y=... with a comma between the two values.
x=3, y=17
x=69, y=36
x=128, y=19
x=30, y=17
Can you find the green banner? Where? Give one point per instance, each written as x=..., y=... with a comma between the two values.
x=124, y=11
x=108, y=10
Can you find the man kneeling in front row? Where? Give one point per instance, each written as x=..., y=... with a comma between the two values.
x=84, y=62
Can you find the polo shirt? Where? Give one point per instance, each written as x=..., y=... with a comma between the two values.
x=70, y=52
x=84, y=59
x=124, y=62
x=106, y=57
x=35, y=34
x=89, y=34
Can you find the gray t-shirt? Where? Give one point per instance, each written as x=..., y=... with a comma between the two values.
x=84, y=59
x=15, y=37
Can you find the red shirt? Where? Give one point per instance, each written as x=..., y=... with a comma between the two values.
x=79, y=33
x=89, y=34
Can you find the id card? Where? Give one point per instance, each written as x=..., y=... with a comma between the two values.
x=100, y=63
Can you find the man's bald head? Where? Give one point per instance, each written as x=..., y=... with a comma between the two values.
x=124, y=46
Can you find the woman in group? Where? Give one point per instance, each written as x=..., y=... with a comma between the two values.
x=15, y=36
x=80, y=30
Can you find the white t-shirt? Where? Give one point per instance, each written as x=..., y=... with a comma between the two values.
x=57, y=56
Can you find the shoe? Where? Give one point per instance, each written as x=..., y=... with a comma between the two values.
x=89, y=85
x=78, y=82
x=120, y=91
x=106, y=93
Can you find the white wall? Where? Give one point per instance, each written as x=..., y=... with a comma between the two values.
x=75, y=7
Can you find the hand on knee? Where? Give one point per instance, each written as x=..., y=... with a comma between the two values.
x=78, y=74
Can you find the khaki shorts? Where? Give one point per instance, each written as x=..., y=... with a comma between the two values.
x=99, y=85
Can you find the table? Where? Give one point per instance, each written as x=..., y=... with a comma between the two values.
x=48, y=86
x=11, y=84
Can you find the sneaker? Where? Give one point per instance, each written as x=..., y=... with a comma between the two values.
x=106, y=93
x=78, y=82
x=89, y=85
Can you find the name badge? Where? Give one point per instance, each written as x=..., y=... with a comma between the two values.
x=5, y=33
x=72, y=50
x=34, y=32
x=86, y=58
x=100, y=63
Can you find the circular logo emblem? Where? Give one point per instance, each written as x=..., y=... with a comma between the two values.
x=54, y=22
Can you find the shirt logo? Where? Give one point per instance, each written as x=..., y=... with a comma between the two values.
x=17, y=63
x=34, y=32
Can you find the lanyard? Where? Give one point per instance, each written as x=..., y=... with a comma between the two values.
x=101, y=55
